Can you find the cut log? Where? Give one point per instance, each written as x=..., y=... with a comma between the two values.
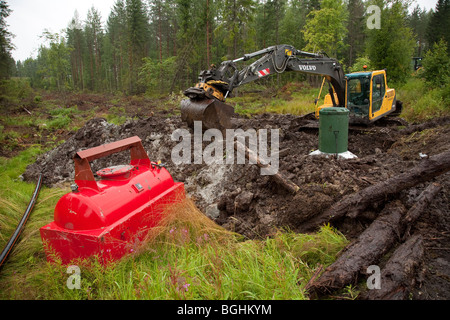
x=425, y=125
x=354, y=204
x=370, y=246
x=277, y=177
x=399, y=274
x=422, y=203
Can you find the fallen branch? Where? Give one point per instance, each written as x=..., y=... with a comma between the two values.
x=370, y=246
x=277, y=177
x=25, y=109
x=399, y=274
x=281, y=153
x=313, y=278
x=354, y=204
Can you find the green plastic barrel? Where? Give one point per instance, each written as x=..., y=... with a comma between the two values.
x=333, y=130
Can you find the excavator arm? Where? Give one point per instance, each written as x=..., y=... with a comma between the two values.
x=206, y=99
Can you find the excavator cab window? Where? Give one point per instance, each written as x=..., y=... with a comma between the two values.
x=378, y=90
x=358, y=92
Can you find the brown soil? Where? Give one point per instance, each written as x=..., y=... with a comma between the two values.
x=239, y=198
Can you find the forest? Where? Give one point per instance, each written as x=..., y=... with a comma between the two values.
x=158, y=47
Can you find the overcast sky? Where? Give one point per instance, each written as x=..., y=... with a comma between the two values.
x=29, y=18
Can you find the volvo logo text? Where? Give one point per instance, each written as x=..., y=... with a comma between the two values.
x=305, y=67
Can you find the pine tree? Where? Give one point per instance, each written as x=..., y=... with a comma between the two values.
x=237, y=16
x=75, y=41
x=138, y=40
x=355, y=27
x=436, y=65
x=293, y=22
x=418, y=21
x=94, y=33
x=116, y=31
x=269, y=17
x=439, y=26
x=6, y=46
x=391, y=47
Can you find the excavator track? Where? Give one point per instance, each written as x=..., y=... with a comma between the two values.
x=308, y=123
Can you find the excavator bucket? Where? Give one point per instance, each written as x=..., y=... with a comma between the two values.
x=213, y=113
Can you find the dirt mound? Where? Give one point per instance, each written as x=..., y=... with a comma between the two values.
x=57, y=166
x=382, y=152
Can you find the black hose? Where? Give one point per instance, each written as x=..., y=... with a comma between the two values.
x=19, y=228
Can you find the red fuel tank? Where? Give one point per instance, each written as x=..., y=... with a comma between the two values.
x=111, y=216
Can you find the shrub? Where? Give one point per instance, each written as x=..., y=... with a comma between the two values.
x=360, y=63
x=436, y=65
x=422, y=102
x=14, y=91
x=59, y=122
x=116, y=115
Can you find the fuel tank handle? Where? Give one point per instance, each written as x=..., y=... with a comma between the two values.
x=84, y=176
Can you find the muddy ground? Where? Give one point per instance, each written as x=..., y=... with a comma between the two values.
x=239, y=198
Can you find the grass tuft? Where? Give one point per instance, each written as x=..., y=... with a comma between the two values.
x=187, y=256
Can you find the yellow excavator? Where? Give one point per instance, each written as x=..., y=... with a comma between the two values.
x=366, y=94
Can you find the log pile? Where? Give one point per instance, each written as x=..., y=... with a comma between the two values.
x=391, y=228
x=355, y=204
x=370, y=246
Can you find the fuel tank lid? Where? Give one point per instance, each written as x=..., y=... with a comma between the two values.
x=115, y=171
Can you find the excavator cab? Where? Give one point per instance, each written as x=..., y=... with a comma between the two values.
x=368, y=97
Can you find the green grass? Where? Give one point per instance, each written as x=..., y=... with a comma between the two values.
x=299, y=105
x=177, y=268
x=61, y=117
x=53, y=119
x=116, y=115
x=59, y=111
x=14, y=198
x=187, y=257
x=295, y=100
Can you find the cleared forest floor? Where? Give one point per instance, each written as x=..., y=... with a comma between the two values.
x=237, y=197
